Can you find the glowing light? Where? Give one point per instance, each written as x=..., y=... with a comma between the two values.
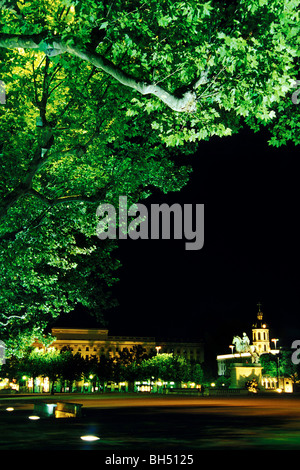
x=34, y=417
x=46, y=384
x=278, y=390
x=90, y=438
x=51, y=407
x=10, y=408
x=213, y=384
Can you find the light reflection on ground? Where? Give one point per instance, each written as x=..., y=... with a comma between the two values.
x=157, y=423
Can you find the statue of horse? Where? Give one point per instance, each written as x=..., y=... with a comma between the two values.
x=243, y=345
x=238, y=343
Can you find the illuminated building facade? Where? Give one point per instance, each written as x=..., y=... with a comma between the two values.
x=244, y=365
x=260, y=345
x=260, y=334
x=95, y=342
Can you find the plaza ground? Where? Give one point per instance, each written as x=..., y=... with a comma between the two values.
x=155, y=423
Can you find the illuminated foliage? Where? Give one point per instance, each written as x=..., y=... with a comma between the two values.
x=65, y=366
x=166, y=367
x=280, y=365
x=212, y=62
x=101, y=98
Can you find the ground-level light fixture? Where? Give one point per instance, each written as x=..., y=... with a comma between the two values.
x=10, y=408
x=90, y=438
x=33, y=417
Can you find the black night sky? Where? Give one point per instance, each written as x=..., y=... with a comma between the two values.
x=250, y=253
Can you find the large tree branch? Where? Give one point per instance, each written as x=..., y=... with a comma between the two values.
x=38, y=160
x=25, y=41
x=20, y=317
x=49, y=203
x=185, y=103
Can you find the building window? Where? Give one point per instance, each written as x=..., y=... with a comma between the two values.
x=87, y=348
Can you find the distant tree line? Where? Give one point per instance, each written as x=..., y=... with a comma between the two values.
x=130, y=365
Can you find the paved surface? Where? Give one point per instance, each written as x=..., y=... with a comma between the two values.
x=155, y=423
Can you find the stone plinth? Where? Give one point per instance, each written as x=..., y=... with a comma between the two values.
x=240, y=374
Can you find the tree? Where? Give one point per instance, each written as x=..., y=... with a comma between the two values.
x=101, y=99
x=72, y=366
x=196, y=374
x=51, y=363
x=127, y=363
x=269, y=363
x=51, y=257
x=165, y=367
x=34, y=363
x=136, y=354
x=14, y=368
x=46, y=364
x=104, y=370
x=279, y=365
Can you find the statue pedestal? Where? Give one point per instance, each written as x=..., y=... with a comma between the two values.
x=240, y=374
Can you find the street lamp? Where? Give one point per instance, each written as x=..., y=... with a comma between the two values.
x=277, y=362
x=231, y=347
x=158, y=348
